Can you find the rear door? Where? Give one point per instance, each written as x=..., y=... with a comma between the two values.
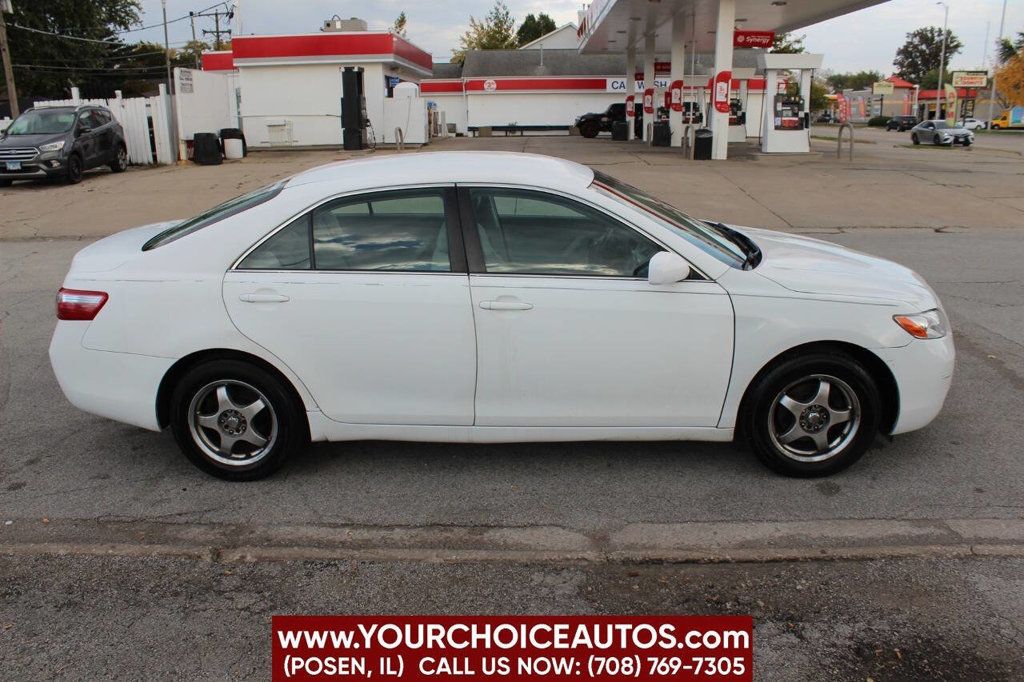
x=366, y=298
x=570, y=332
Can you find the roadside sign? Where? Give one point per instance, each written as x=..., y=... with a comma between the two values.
x=970, y=79
x=753, y=38
x=882, y=88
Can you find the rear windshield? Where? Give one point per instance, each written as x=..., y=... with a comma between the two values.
x=216, y=214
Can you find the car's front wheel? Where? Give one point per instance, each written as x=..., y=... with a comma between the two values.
x=73, y=173
x=5, y=183
x=813, y=415
x=235, y=420
x=590, y=129
x=914, y=138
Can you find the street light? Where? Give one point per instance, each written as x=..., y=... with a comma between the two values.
x=942, y=59
x=992, y=91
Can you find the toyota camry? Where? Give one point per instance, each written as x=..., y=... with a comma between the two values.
x=484, y=298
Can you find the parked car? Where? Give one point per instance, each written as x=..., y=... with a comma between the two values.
x=940, y=132
x=973, y=124
x=487, y=297
x=61, y=142
x=592, y=124
x=901, y=123
x=825, y=117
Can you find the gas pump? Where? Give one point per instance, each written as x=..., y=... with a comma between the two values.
x=786, y=124
x=789, y=112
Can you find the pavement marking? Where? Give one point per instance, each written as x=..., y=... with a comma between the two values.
x=719, y=542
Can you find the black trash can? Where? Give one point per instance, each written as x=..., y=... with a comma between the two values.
x=662, y=136
x=206, y=149
x=233, y=134
x=620, y=130
x=702, y=144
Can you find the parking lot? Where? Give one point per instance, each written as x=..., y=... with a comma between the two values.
x=547, y=527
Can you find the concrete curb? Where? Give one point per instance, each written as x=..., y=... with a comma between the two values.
x=720, y=542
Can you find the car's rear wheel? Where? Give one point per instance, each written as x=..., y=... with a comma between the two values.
x=236, y=421
x=73, y=173
x=589, y=129
x=5, y=183
x=120, y=163
x=813, y=415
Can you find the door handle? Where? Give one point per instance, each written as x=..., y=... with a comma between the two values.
x=505, y=305
x=263, y=298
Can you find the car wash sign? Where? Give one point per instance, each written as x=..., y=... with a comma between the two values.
x=763, y=39
x=619, y=85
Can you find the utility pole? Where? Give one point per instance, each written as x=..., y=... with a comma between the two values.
x=5, y=54
x=192, y=18
x=992, y=91
x=167, y=51
x=216, y=33
x=942, y=59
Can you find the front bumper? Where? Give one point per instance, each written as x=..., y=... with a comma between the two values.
x=33, y=170
x=118, y=386
x=924, y=371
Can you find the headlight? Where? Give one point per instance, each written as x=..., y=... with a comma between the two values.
x=52, y=147
x=930, y=324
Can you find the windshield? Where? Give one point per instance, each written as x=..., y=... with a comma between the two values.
x=939, y=125
x=708, y=238
x=215, y=214
x=43, y=122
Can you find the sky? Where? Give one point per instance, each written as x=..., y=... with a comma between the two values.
x=867, y=39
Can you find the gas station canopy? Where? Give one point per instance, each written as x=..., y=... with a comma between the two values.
x=615, y=25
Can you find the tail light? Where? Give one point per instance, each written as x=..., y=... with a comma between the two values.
x=75, y=304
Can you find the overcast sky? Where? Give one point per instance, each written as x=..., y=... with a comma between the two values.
x=863, y=40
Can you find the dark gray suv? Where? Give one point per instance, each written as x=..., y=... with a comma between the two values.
x=61, y=142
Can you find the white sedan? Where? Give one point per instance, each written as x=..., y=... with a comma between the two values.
x=484, y=298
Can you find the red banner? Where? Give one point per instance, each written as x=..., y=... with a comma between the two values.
x=649, y=101
x=763, y=39
x=538, y=648
x=720, y=93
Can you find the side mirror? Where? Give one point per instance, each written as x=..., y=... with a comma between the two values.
x=82, y=130
x=667, y=268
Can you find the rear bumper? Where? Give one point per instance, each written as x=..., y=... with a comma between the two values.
x=118, y=386
x=923, y=372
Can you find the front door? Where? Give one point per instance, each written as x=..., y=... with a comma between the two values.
x=570, y=332
x=362, y=299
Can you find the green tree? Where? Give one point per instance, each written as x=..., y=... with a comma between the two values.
x=494, y=32
x=1007, y=49
x=922, y=53
x=787, y=43
x=534, y=27
x=859, y=80
x=51, y=64
x=819, y=92
x=398, y=28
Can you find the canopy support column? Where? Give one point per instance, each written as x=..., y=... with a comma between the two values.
x=649, y=81
x=630, y=89
x=675, y=118
x=723, y=62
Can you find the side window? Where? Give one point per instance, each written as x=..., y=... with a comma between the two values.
x=288, y=249
x=404, y=230
x=101, y=117
x=531, y=233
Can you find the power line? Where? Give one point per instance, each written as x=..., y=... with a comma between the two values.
x=61, y=35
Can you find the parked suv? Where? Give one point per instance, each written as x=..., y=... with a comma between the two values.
x=901, y=123
x=590, y=125
x=61, y=142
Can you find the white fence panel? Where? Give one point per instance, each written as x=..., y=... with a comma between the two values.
x=131, y=114
x=158, y=111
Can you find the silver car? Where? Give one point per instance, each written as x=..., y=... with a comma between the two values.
x=940, y=132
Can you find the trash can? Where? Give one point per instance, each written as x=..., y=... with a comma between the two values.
x=620, y=130
x=234, y=134
x=702, y=144
x=662, y=136
x=206, y=149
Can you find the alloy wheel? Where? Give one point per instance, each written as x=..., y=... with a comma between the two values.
x=232, y=422
x=814, y=418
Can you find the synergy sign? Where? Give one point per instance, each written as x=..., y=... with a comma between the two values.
x=763, y=39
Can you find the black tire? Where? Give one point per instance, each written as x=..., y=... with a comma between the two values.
x=5, y=183
x=914, y=138
x=589, y=129
x=763, y=418
x=283, y=426
x=73, y=173
x=120, y=162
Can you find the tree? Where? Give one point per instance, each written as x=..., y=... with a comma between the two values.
x=819, y=98
x=494, y=32
x=787, y=43
x=57, y=62
x=859, y=80
x=1010, y=80
x=398, y=28
x=534, y=27
x=1007, y=49
x=921, y=53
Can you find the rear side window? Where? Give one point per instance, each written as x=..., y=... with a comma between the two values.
x=403, y=231
x=215, y=214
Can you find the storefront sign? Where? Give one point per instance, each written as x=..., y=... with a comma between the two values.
x=970, y=79
x=490, y=85
x=883, y=88
x=723, y=80
x=753, y=38
x=619, y=84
